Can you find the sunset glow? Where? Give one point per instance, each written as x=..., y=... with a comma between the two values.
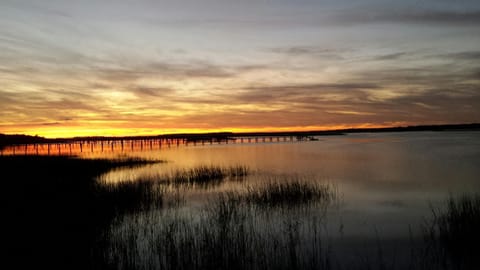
x=115, y=68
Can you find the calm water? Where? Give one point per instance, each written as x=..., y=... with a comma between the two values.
x=387, y=181
x=386, y=186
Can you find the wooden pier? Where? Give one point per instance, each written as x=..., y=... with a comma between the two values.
x=113, y=145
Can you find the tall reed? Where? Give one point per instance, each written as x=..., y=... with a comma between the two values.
x=453, y=234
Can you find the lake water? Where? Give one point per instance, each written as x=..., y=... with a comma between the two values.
x=387, y=182
x=386, y=185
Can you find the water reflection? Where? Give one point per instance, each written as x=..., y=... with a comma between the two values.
x=387, y=180
x=387, y=183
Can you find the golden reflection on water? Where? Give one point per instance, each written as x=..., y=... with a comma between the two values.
x=387, y=179
x=384, y=178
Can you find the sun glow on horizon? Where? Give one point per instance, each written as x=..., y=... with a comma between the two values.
x=65, y=132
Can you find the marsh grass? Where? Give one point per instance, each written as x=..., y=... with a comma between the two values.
x=289, y=194
x=205, y=176
x=141, y=195
x=148, y=194
x=224, y=234
x=155, y=193
x=453, y=234
x=233, y=230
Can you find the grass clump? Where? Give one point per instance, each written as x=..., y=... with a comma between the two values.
x=289, y=194
x=147, y=194
x=237, y=171
x=206, y=175
x=198, y=175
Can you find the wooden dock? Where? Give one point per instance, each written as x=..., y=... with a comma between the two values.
x=99, y=145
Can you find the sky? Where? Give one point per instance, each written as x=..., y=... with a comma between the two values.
x=125, y=67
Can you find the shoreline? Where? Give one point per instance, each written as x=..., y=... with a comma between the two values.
x=18, y=139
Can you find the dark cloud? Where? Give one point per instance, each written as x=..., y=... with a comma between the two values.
x=468, y=55
x=192, y=69
x=151, y=92
x=166, y=70
x=51, y=124
x=392, y=56
x=475, y=74
x=308, y=51
x=319, y=86
x=372, y=15
x=70, y=94
x=209, y=99
x=306, y=94
x=424, y=76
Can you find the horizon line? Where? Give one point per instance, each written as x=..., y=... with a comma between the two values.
x=423, y=127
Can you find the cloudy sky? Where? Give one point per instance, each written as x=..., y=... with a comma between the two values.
x=127, y=67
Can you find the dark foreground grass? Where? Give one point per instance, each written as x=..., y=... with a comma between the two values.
x=232, y=231
x=131, y=196
x=222, y=235
x=453, y=235
x=54, y=210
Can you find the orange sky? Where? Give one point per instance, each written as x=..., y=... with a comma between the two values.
x=68, y=132
x=156, y=67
